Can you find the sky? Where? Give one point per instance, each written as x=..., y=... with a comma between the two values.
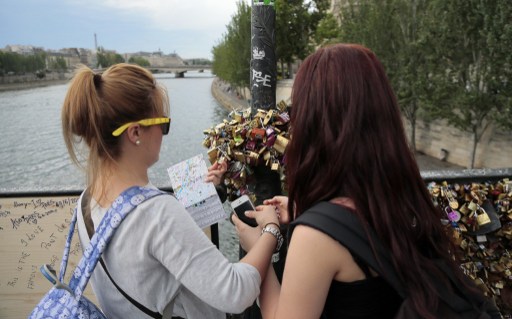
x=189, y=28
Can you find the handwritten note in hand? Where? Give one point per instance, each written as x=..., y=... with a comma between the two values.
x=199, y=198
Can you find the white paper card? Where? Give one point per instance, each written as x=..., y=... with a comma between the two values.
x=199, y=198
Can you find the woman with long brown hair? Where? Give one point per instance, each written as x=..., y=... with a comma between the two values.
x=349, y=148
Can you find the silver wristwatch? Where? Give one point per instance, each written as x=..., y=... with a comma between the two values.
x=276, y=233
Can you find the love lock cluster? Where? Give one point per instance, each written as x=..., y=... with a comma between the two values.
x=247, y=141
x=479, y=218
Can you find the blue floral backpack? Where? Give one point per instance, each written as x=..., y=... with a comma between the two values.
x=66, y=301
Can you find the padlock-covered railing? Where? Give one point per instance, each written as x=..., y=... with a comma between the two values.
x=475, y=202
x=477, y=205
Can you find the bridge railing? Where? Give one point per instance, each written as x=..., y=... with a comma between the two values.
x=33, y=226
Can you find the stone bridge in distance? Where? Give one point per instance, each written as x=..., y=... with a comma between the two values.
x=179, y=70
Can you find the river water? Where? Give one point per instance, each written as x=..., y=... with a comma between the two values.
x=33, y=156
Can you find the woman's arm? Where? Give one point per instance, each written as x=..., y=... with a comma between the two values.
x=259, y=246
x=181, y=247
x=313, y=260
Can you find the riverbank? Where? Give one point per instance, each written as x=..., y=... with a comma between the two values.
x=30, y=85
x=228, y=98
x=31, y=80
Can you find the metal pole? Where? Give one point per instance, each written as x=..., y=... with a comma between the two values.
x=263, y=84
x=263, y=57
x=266, y=183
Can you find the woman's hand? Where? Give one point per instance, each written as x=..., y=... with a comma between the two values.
x=247, y=235
x=216, y=172
x=281, y=206
x=264, y=214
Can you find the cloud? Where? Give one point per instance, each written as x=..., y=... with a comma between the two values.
x=173, y=15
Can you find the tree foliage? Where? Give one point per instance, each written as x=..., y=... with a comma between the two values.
x=232, y=56
x=15, y=63
x=106, y=59
x=296, y=25
x=139, y=61
x=472, y=39
x=57, y=63
x=445, y=59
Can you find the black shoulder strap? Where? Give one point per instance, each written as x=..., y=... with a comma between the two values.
x=90, y=231
x=344, y=226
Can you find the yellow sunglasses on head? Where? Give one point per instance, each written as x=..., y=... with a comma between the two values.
x=165, y=123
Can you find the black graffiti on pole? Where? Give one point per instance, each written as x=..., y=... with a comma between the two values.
x=263, y=58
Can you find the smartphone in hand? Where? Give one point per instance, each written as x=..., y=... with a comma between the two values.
x=240, y=206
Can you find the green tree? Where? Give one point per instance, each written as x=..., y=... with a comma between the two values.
x=106, y=59
x=232, y=56
x=395, y=30
x=328, y=30
x=139, y=60
x=292, y=32
x=412, y=79
x=472, y=39
x=58, y=63
x=20, y=64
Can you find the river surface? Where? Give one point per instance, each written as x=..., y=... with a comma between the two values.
x=33, y=155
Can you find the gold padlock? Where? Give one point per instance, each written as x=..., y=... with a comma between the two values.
x=464, y=209
x=280, y=144
x=275, y=166
x=268, y=117
x=207, y=142
x=482, y=218
x=473, y=205
x=213, y=154
x=239, y=156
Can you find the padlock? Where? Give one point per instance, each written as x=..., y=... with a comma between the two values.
x=250, y=145
x=453, y=215
x=257, y=133
x=238, y=117
x=239, y=156
x=464, y=209
x=268, y=116
x=481, y=217
x=454, y=204
x=251, y=158
x=213, y=154
x=473, y=205
x=271, y=140
x=281, y=106
x=435, y=190
x=238, y=140
x=207, y=142
x=280, y=144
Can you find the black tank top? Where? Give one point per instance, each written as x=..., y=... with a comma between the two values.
x=370, y=298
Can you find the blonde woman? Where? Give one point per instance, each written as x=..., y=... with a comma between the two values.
x=158, y=255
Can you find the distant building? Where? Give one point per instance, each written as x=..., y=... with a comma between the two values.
x=23, y=49
x=75, y=56
x=158, y=58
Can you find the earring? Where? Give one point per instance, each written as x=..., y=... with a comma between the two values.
x=137, y=142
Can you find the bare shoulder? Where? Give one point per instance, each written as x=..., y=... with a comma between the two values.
x=320, y=246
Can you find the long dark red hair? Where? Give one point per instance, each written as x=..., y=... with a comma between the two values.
x=348, y=140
